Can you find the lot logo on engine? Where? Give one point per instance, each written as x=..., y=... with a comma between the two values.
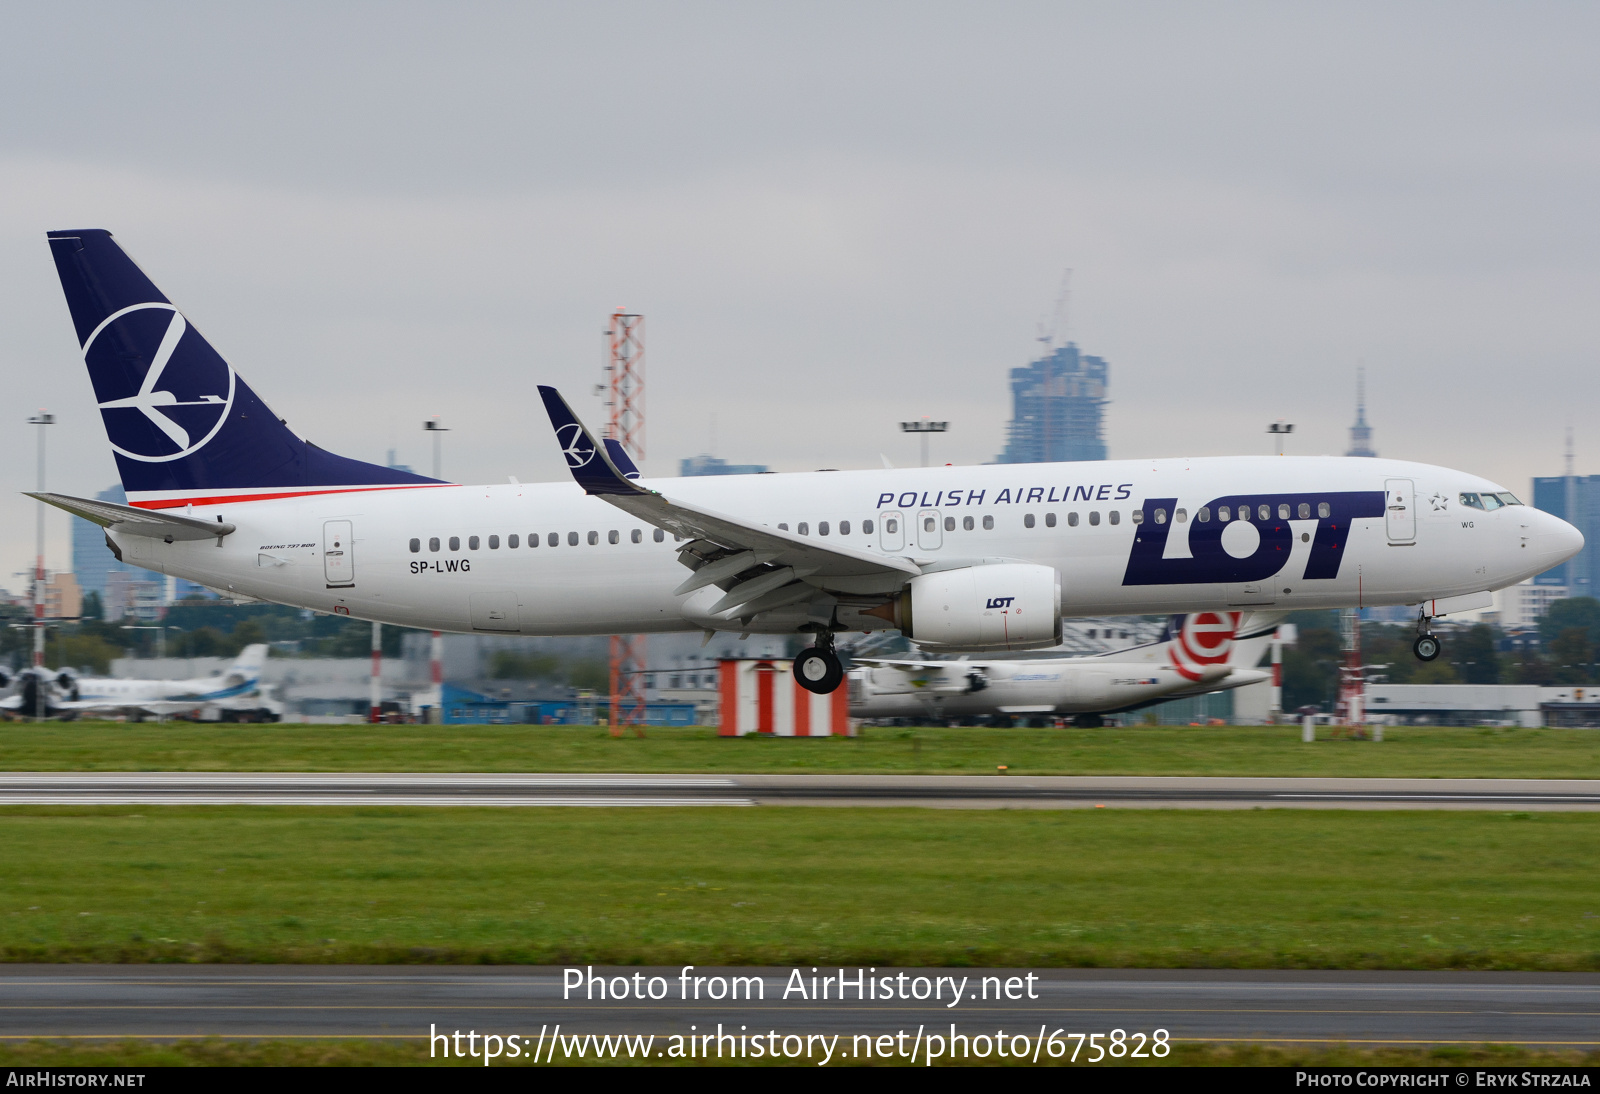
x=1000, y=602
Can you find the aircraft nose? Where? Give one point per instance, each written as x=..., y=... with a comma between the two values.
x=1555, y=540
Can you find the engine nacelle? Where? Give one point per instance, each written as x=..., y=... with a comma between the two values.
x=1005, y=606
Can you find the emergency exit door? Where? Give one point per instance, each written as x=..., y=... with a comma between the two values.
x=338, y=561
x=1400, y=510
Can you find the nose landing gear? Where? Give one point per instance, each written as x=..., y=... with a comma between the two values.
x=1426, y=647
x=817, y=668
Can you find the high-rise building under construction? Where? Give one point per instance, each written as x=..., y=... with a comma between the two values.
x=1057, y=409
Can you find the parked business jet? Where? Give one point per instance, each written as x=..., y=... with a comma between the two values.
x=67, y=693
x=1211, y=651
x=977, y=559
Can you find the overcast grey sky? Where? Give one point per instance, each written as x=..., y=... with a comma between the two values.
x=834, y=216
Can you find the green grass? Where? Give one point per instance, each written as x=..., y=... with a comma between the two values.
x=363, y=1052
x=1117, y=888
x=1166, y=750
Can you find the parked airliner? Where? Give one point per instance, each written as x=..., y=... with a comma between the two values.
x=1197, y=654
x=977, y=559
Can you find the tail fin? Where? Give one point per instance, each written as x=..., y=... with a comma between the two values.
x=182, y=423
x=620, y=457
x=251, y=660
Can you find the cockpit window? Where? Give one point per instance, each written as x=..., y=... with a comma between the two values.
x=1491, y=502
x=1508, y=498
x=1471, y=501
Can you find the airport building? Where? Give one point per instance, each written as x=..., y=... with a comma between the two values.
x=1057, y=409
x=711, y=465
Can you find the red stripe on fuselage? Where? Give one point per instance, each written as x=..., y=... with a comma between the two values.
x=229, y=499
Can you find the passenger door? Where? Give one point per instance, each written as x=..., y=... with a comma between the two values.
x=338, y=561
x=1400, y=510
x=891, y=531
x=929, y=536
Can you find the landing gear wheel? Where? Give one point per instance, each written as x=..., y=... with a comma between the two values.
x=1088, y=721
x=818, y=670
x=1426, y=647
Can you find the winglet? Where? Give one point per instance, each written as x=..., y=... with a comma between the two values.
x=620, y=457
x=588, y=461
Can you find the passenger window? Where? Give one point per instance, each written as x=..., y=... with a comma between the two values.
x=472, y=543
x=785, y=527
x=494, y=543
x=1224, y=514
x=1161, y=517
x=1283, y=510
x=1072, y=520
x=553, y=539
x=1027, y=520
x=637, y=536
x=1181, y=516
x=455, y=543
x=660, y=535
x=866, y=527
x=1138, y=516
x=1305, y=510
x=594, y=538
x=1204, y=515
x=613, y=536
x=844, y=528
x=1116, y=516
x=822, y=527
x=967, y=524
x=416, y=545
x=988, y=524
x=572, y=539
x=949, y=524
x=891, y=526
x=803, y=528
x=1323, y=509
x=515, y=541
x=1094, y=516
x=1049, y=520
x=1264, y=512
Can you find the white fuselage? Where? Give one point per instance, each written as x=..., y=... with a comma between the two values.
x=371, y=554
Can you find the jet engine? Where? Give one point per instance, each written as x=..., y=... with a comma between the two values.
x=975, y=609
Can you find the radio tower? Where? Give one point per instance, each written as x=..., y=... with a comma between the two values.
x=625, y=423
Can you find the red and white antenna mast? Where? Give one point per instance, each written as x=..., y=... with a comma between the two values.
x=625, y=423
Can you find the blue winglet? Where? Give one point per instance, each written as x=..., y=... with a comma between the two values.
x=619, y=457
x=589, y=462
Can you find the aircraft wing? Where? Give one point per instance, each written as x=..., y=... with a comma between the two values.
x=760, y=568
x=134, y=521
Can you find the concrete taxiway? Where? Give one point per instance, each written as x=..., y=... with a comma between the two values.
x=943, y=791
x=1365, y=1008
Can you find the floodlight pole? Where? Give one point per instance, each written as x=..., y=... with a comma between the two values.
x=41, y=420
x=1278, y=431
x=432, y=426
x=922, y=428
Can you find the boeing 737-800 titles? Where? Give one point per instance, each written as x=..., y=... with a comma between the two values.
x=977, y=559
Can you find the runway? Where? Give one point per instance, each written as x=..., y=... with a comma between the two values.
x=1366, y=1008
x=938, y=791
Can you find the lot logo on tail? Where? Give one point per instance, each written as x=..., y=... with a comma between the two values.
x=163, y=392
x=1205, y=639
x=575, y=445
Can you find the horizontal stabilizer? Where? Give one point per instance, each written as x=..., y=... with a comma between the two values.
x=128, y=520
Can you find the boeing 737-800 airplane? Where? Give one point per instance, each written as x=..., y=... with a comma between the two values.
x=977, y=559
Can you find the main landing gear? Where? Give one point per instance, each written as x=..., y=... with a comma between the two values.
x=1426, y=647
x=817, y=669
